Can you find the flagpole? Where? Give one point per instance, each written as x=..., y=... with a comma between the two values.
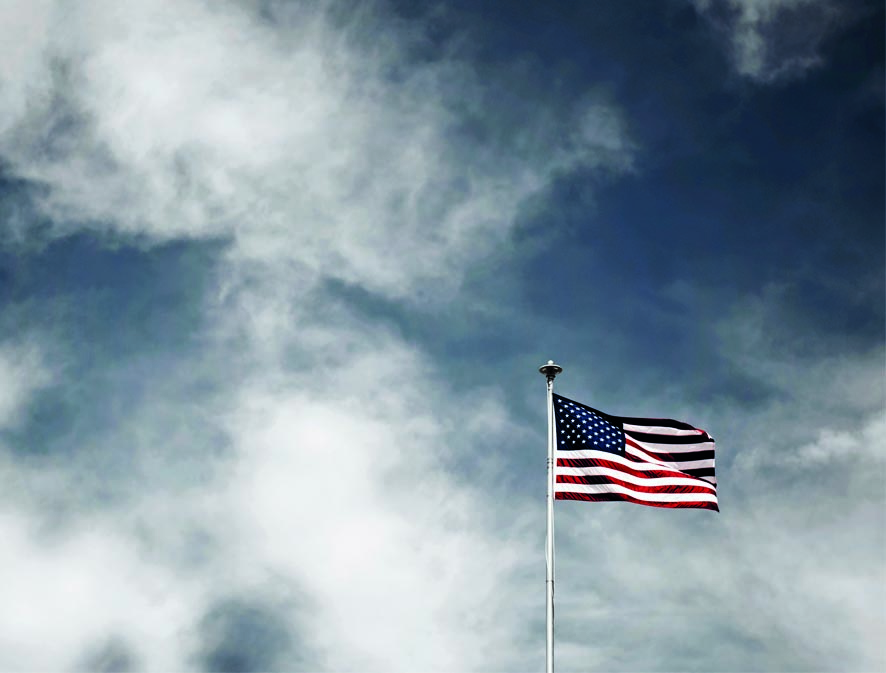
x=550, y=371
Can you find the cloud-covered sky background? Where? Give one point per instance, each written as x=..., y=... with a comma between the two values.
x=276, y=278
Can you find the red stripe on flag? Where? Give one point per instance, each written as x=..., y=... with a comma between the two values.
x=662, y=488
x=619, y=497
x=600, y=462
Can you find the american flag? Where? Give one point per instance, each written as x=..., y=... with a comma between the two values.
x=649, y=461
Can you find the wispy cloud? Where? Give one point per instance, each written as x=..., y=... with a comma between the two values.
x=303, y=141
x=24, y=370
x=774, y=40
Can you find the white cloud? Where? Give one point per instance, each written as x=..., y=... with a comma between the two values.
x=774, y=40
x=831, y=447
x=344, y=481
x=65, y=593
x=23, y=371
x=334, y=484
x=767, y=339
x=320, y=459
x=810, y=465
x=397, y=556
x=305, y=142
x=23, y=75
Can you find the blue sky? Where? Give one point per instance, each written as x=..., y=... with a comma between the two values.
x=276, y=278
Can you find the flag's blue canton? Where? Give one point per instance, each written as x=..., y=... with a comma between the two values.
x=579, y=428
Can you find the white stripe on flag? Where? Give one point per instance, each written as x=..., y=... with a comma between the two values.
x=640, y=495
x=660, y=430
x=615, y=458
x=674, y=448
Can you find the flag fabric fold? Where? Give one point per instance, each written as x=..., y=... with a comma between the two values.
x=648, y=461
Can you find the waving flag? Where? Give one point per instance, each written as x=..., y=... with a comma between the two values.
x=648, y=461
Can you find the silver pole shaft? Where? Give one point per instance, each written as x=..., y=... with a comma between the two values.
x=549, y=552
x=550, y=370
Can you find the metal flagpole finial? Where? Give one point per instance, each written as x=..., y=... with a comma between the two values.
x=550, y=370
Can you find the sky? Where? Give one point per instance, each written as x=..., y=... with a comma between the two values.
x=276, y=279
